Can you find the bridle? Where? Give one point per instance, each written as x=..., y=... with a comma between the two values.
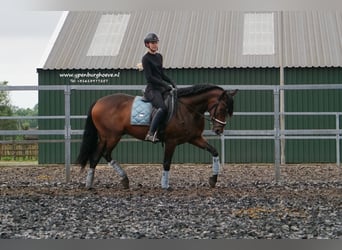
x=213, y=117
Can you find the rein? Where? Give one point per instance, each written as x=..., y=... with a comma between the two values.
x=190, y=107
x=212, y=118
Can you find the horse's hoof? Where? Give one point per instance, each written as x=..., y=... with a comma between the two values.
x=212, y=182
x=168, y=189
x=125, y=182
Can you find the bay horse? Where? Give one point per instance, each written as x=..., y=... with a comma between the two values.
x=108, y=120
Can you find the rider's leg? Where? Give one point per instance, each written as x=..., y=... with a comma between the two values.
x=157, y=119
x=158, y=102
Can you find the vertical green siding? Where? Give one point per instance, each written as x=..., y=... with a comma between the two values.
x=298, y=151
x=52, y=103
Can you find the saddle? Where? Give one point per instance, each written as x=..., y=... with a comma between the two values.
x=142, y=110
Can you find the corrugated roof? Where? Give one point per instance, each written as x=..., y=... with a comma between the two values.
x=202, y=39
x=312, y=39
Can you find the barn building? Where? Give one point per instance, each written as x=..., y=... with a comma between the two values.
x=204, y=46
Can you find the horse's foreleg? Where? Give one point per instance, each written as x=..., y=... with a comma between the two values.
x=168, y=153
x=216, y=164
x=202, y=143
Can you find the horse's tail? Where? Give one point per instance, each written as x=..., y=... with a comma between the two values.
x=89, y=141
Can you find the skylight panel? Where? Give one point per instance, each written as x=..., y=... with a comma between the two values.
x=258, y=34
x=109, y=35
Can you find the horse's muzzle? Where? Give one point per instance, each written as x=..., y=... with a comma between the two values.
x=218, y=130
x=218, y=126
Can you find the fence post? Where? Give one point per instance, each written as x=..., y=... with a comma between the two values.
x=222, y=137
x=67, y=129
x=277, y=156
x=338, y=159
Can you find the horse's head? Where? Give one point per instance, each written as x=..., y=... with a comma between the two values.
x=221, y=109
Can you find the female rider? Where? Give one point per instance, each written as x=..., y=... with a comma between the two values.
x=157, y=83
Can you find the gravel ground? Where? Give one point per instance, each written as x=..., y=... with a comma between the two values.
x=36, y=203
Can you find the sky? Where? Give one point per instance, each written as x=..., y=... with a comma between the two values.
x=24, y=38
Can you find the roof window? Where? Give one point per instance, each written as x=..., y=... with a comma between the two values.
x=258, y=34
x=109, y=35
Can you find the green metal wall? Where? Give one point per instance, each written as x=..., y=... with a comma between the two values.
x=237, y=151
x=52, y=103
x=298, y=151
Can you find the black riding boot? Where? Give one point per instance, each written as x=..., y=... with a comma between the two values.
x=157, y=119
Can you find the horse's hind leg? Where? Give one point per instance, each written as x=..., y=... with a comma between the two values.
x=124, y=179
x=168, y=153
x=93, y=161
x=114, y=164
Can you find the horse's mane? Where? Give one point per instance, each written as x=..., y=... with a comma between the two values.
x=196, y=89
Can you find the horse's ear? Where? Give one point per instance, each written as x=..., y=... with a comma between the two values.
x=233, y=92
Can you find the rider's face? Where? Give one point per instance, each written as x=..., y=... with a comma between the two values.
x=153, y=46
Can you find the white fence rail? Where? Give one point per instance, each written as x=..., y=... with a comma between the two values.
x=276, y=134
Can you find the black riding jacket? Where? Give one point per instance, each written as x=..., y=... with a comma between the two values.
x=154, y=74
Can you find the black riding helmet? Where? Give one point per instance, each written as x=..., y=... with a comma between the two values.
x=151, y=37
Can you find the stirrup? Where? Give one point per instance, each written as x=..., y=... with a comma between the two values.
x=152, y=138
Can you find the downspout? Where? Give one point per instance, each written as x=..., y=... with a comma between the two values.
x=281, y=83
